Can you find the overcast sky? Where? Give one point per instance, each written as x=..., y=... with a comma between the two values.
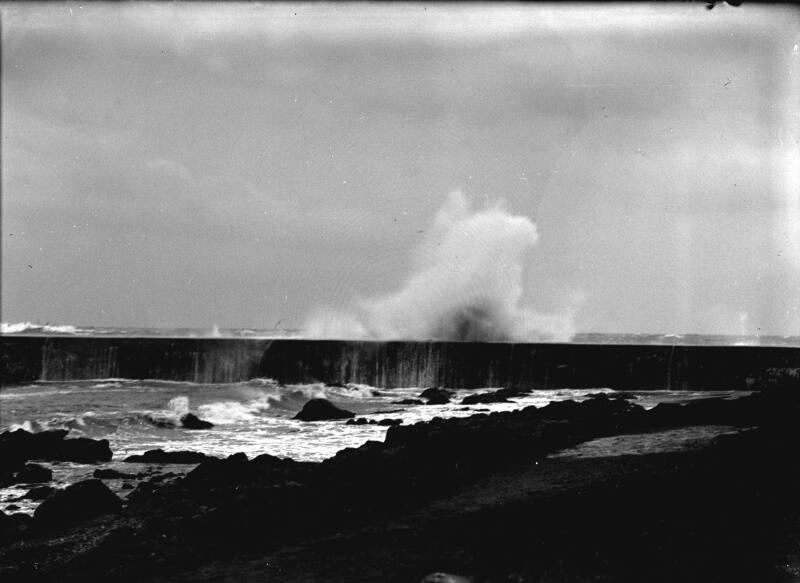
x=241, y=165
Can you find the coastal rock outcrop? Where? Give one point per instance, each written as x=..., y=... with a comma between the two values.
x=17, y=447
x=33, y=474
x=322, y=410
x=382, y=422
x=499, y=396
x=468, y=470
x=77, y=503
x=159, y=456
x=40, y=493
x=192, y=421
x=436, y=396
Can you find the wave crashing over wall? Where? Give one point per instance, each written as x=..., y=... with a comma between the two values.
x=466, y=285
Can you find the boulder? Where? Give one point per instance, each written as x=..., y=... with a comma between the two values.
x=40, y=493
x=159, y=456
x=33, y=474
x=436, y=396
x=192, y=421
x=232, y=468
x=12, y=526
x=499, y=396
x=17, y=447
x=409, y=402
x=382, y=422
x=84, y=450
x=322, y=410
x=77, y=503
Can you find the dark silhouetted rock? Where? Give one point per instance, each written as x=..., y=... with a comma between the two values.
x=12, y=525
x=409, y=402
x=499, y=396
x=231, y=468
x=382, y=422
x=110, y=474
x=33, y=474
x=192, y=421
x=322, y=410
x=40, y=493
x=159, y=456
x=17, y=447
x=436, y=396
x=84, y=450
x=77, y=503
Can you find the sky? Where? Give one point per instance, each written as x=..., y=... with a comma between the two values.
x=630, y=168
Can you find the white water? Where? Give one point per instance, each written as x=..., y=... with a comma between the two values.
x=465, y=284
x=254, y=417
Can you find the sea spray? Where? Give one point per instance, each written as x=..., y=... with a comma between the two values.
x=466, y=285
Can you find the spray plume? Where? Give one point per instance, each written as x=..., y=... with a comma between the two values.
x=466, y=285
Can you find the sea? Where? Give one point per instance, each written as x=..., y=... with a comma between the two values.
x=257, y=416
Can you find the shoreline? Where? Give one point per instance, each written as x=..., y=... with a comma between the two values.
x=454, y=484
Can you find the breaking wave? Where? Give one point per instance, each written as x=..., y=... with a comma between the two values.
x=20, y=327
x=466, y=285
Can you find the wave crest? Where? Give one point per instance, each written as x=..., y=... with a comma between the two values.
x=466, y=286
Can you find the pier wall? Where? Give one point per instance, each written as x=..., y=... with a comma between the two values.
x=396, y=364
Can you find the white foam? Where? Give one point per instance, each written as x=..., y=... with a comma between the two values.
x=19, y=327
x=466, y=284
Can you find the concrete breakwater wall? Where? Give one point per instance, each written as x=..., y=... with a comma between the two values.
x=395, y=364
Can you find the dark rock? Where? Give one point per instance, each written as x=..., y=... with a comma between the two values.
x=77, y=503
x=12, y=507
x=33, y=474
x=231, y=468
x=40, y=493
x=110, y=474
x=127, y=486
x=499, y=396
x=84, y=450
x=322, y=410
x=12, y=525
x=382, y=422
x=16, y=447
x=436, y=396
x=192, y=421
x=159, y=456
x=409, y=402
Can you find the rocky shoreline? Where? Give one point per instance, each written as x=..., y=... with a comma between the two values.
x=475, y=496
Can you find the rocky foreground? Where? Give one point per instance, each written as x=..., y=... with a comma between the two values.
x=476, y=497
